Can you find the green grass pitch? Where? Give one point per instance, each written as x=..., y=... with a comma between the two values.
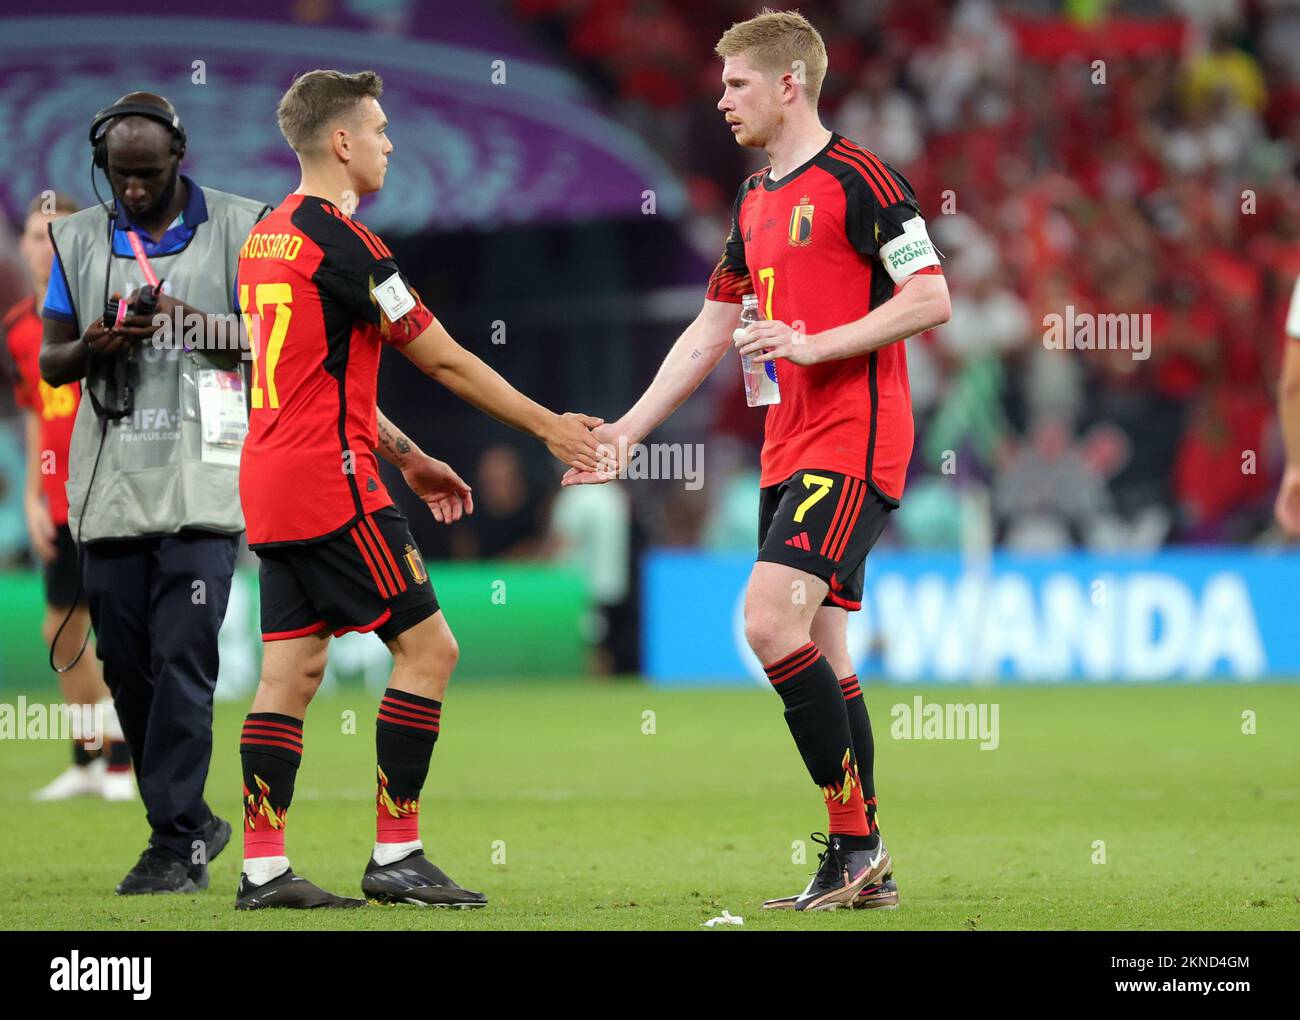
x=604, y=826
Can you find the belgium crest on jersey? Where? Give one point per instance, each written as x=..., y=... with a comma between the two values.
x=801, y=217
x=415, y=564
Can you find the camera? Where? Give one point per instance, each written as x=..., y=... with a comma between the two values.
x=145, y=303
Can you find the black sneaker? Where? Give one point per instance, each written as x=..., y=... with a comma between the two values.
x=157, y=871
x=289, y=890
x=416, y=879
x=216, y=834
x=842, y=874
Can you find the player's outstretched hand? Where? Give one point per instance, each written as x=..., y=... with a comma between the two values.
x=1287, y=507
x=610, y=464
x=770, y=339
x=444, y=491
x=571, y=441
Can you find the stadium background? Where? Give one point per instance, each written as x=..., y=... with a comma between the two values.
x=559, y=190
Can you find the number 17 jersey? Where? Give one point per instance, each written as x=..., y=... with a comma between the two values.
x=320, y=295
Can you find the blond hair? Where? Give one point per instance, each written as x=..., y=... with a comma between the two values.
x=317, y=98
x=777, y=43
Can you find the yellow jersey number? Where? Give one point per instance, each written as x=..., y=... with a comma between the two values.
x=768, y=276
x=266, y=356
x=56, y=401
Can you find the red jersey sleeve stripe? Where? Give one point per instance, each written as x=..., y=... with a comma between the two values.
x=875, y=188
x=891, y=185
x=879, y=178
x=851, y=148
x=726, y=284
x=877, y=173
x=378, y=242
x=370, y=247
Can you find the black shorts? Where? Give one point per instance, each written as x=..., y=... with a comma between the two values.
x=63, y=573
x=368, y=578
x=823, y=523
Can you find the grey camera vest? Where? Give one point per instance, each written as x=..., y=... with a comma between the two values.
x=152, y=479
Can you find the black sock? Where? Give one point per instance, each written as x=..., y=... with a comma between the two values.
x=118, y=754
x=406, y=728
x=82, y=755
x=818, y=721
x=270, y=750
x=864, y=744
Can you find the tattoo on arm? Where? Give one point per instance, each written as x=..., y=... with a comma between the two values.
x=696, y=354
x=393, y=441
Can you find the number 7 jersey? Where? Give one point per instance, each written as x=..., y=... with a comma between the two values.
x=820, y=248
x=319, y=294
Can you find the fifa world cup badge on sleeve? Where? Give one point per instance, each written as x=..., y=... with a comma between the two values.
x=393, y=297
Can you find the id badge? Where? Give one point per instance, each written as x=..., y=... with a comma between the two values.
x=223, y=415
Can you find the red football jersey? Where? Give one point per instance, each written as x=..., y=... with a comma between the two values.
x=320, y=294
x=55, y=406
x=822, y=247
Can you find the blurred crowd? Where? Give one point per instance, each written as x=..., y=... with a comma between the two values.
x=1112, y=158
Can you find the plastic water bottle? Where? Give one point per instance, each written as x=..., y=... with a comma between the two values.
x=761, y=387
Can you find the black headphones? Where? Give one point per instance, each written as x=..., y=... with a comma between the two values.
x=98, y=130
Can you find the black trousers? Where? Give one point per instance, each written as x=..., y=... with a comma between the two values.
x=157, y=605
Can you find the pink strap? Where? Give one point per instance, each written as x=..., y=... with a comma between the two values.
x=150, y=276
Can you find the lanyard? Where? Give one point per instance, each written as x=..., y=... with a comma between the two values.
x=151, y=278
x=137, y=246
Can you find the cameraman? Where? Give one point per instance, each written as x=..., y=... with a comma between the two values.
x=153, y=480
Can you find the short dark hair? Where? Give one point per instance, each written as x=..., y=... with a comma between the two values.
x=318, y=97
x=52, y=202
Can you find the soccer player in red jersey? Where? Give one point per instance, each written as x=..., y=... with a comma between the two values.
x=101, y=763
x=321, y=294
x=831, y=240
